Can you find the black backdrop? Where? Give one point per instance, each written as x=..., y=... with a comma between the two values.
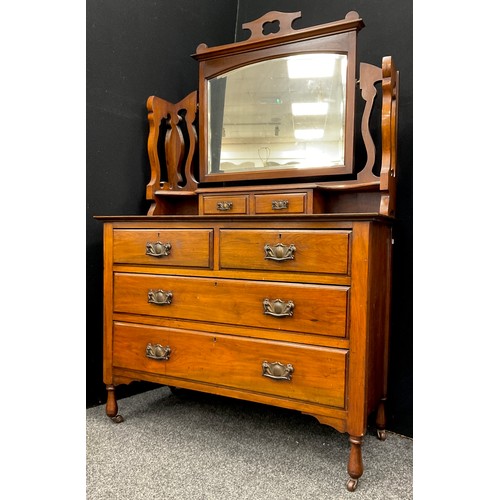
x=140, y=48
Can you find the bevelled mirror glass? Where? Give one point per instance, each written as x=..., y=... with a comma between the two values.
x=277, y=114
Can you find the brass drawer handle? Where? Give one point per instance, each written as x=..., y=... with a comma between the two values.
x=279, y=252
x=278, y=308
x=158, y=352
x=224, y=206
x=158, y=249
x=159, y=297
x=277, y=371
x=279, y=204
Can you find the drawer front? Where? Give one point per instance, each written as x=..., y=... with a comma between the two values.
x=280, y=203
x=315, y=374
x=316, y=309
x=169, y=247
x=220, y=205
x=321, y=251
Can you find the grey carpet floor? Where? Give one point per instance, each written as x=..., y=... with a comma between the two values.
x=186, y=445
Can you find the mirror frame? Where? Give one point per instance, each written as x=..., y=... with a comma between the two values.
x=335, y=37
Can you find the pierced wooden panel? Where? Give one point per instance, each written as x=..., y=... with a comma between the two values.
x=172, y=143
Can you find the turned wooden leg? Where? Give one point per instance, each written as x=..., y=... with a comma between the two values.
x=355, y=465
x=380, y=420
x=111, y=406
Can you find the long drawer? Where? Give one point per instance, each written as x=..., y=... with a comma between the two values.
x=315, y=374
x=321, y=251
x=317, y=309
x=170, y=247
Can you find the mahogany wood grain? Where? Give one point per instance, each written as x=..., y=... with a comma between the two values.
x=244, y=249
x=108, y=234
x=234, y=362
x=188, y=247
x=291, y=203
x=358, y=330
x=224, y=204
x=389, y=128
x=319, y=309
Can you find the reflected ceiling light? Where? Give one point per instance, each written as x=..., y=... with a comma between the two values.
x=309, y=133
x=309, y=108
x=311, y=66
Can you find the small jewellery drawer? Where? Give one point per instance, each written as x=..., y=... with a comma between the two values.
x=319, y=251
x=169, y=247
x=280, y=203
x=219, y=205
x=301, y=372
x=316, y=309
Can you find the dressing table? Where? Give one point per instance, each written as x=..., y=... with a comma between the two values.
x=262, y=270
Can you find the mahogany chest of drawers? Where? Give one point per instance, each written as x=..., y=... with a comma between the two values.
x=286, y=311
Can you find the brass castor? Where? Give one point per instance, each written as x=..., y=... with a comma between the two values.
x=352, y=484
x=117, y=419
x=381, y=434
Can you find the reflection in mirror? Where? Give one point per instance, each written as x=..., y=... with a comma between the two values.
x=281, y=113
